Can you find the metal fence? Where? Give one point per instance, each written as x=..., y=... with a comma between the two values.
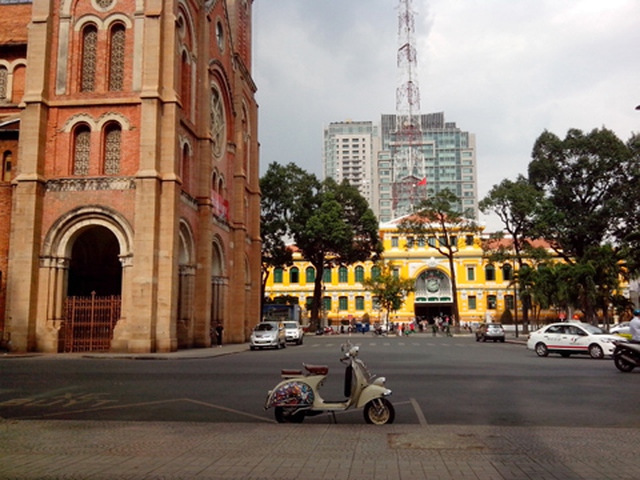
x=89, y=322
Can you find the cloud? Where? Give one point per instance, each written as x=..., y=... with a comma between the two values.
x=505, y=70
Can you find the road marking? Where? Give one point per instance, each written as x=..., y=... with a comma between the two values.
x=421, y=418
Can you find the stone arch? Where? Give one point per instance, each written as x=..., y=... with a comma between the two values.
x=433, y=294
x=58, y=240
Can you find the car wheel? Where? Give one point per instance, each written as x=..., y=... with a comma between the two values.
x=252, y=347
x=542, y=350
x=484, y=339
x=502, y=340
x=477, y=338
x=379, y=411
x=596, y=351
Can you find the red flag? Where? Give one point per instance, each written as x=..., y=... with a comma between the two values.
x=422, y=182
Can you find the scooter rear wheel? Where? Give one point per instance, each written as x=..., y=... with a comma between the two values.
x=622, y=365
x=288, y=415
x=379, y=411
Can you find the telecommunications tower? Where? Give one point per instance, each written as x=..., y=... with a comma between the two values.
x=409, y=180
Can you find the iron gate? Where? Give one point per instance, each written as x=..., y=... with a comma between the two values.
x=89, y=322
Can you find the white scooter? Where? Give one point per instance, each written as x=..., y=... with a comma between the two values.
x=297, y=395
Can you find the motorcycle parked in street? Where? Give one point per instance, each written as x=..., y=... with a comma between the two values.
x=626, y=356
x=298, y=395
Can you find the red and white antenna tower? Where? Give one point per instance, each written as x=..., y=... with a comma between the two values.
x=408, y=168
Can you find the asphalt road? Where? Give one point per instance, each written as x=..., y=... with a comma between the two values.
x=435, y=381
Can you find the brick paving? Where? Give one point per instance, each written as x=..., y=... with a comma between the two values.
x=55, y=449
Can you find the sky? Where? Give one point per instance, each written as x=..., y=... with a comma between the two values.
x=505, y=70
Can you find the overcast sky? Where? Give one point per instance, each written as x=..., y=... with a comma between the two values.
x=505, y=70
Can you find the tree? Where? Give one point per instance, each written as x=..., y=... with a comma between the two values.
x=335, y=227
x=277, y=208
x=438, y=217
x=515, y=203
x=584, y=180
x=389, y=289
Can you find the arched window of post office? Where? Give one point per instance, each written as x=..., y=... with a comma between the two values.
x=117, y=37
x=490, y=273
x=294, y=275
x=89, y=58
x=81, y=149
x=112, y=148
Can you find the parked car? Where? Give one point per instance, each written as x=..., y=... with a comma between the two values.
x=572, y=338
x=490, y=331
x=293, y=332
x=268, y=334
x=621, y=329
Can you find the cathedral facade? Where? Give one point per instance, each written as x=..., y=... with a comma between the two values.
x=129, y=196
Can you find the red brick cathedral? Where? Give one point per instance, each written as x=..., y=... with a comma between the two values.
x=129, y=187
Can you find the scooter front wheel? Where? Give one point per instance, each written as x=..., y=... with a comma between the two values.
x=379, y=411
x=288, y=415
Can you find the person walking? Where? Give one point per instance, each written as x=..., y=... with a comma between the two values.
x=219, y=330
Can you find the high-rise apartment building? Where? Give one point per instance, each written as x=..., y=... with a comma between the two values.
x=367, y=156
x=444, y=157
x=349, y=153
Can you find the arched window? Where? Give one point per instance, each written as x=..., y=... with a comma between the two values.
x=360, y=274
x=89, y=58
x=359, y=303
x=277, y=275
x=116, y=58
x=343, y=275
x=185, y=83
x=326, y=275
x=507, y=272
x=294, y=275
x=112, y=148
x=490, y=273
x=7, y=164
x=310, y=274
x=81, y=150
x=343, y=303
x=375, y=272
x=185, y=169
x=4, y=74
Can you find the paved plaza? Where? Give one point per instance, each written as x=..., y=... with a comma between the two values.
x=170, y=451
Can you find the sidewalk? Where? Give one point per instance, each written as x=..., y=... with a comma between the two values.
x=172, y=451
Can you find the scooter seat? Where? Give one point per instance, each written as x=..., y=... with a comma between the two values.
x=316, y=369
x=289, y=372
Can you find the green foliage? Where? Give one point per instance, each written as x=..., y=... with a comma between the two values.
x=390, y=290
x=331, y=224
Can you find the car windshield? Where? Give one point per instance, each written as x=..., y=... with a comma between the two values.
x=592, y=329
x=290, y=325
x=265, y=327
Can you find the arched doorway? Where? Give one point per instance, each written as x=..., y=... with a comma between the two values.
x=433, y=295
x=93, y=301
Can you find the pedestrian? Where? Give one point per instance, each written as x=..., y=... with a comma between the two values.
x=434, y=328
x=219, y=330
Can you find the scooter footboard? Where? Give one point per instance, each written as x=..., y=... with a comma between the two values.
x=290, y=394
x=371, y=392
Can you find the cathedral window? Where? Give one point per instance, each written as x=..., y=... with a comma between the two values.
x=185, y=83
x=217, y=122
x=4, y=73
x=116, y=58
x=81, y=150
x=112, y=143
x=7, y=161
x=89, y=57
x=185, y=168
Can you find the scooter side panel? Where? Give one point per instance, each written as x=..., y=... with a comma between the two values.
x=370, y=392
x=291, y=394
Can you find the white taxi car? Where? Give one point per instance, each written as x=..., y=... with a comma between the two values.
x=572, y=338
